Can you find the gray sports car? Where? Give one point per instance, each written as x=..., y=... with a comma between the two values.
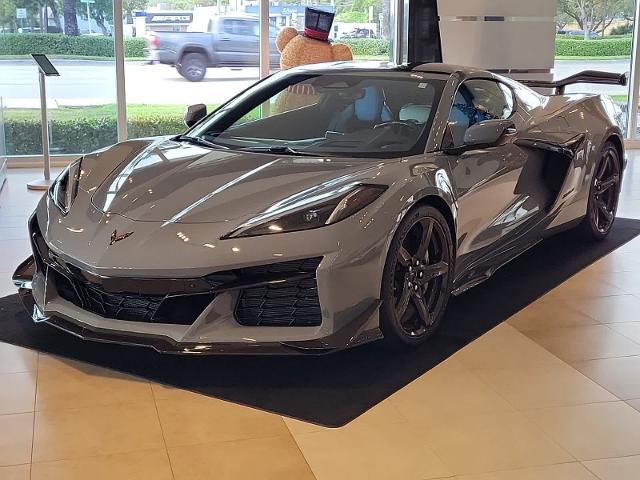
x=322, y=208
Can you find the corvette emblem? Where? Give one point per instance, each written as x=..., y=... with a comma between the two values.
x=116, y=238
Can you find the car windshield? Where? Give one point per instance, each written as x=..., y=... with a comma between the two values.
x=364, y=113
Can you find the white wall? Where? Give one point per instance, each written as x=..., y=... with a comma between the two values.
x=520, y=36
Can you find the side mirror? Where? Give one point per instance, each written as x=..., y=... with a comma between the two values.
x=486, y=133
x=194, y=113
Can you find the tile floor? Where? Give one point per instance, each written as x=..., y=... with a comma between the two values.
x=473, y=417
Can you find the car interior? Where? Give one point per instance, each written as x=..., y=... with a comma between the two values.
x=368, y=115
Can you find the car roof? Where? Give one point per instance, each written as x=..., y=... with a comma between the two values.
x=438, y=68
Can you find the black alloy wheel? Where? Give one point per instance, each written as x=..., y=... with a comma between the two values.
x=603, y=193
x=193, y=67
x=417, y=278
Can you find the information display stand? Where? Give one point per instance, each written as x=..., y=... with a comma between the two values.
x=46, y=69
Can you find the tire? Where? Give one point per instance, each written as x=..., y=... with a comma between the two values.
x=193, y=67
x=416, y=282
x=604, y=193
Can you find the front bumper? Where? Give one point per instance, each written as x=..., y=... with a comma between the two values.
x=218, y=327
x=180, y=257
x=23, y=278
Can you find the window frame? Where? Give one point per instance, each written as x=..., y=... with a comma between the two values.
x=514, y=98
x=272, y=85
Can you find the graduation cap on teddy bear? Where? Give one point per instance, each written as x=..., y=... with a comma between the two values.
x=317, y=23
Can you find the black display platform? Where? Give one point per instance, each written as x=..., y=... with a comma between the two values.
x=333, y=390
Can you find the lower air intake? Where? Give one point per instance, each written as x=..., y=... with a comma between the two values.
x=291, y=302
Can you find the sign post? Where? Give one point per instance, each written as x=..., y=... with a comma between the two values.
x=46, y=69
x=21, y=14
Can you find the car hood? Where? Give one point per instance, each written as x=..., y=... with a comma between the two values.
x=169, y=181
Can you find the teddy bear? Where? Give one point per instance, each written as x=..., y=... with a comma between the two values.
x=312, y=46
x=296, y=49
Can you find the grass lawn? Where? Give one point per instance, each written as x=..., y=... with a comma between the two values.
x=96, y=111
x=613, y=57
x=384, y=58
x=620, y=98
x=72, y=57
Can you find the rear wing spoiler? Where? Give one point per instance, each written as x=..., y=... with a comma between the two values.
x=588, y=76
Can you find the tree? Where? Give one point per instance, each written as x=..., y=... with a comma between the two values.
x=52, y=6
x=386, y=19
x=130, y=5
x=562, y=19
x=352, y=17
x=594, y=15
x=70, y=18
x=8, y=18
x=101, y=12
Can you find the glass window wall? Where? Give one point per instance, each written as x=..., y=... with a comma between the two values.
x=77, y=36
x=182, y=52
x=596, y=35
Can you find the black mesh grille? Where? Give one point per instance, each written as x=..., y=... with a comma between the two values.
x=133, y=307
x=292, y=302
x=118, y=306
x=285, y=293
x=167, y=307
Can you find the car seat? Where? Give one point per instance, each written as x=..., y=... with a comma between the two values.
x=363, y=113
x=415, y=112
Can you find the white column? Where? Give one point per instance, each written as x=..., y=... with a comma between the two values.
x=397, y=11
x=516, y=36
x=634, y=81
x=121, y=98
x=264, y=38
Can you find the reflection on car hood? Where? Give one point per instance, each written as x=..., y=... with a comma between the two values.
x=184, y=183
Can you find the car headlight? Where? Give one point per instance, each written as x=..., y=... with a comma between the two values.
x=65, y=188
x=316, y=213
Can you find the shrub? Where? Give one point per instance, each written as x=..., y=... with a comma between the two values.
x=83, y=135
x=133, y=47
x=368, y=46
x=59, y=44
x=623, y=29
x=606, y=47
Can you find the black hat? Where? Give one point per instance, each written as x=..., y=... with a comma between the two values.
x=317, y=23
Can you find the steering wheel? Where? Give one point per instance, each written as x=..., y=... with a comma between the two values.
x=398, y=125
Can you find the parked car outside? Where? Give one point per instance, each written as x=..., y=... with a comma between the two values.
x=360, y=33
x=578, y=33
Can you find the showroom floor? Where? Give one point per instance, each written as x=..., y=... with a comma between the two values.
x=552, y=394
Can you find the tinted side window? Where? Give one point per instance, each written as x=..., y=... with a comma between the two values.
x=245, y=28
x=476, y=101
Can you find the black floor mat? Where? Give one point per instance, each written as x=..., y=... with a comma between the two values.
x=333, y=390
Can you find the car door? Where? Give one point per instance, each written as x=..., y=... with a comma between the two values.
x=239, y=38
x=496, y=186
x=246, y=41
x=224, y=40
